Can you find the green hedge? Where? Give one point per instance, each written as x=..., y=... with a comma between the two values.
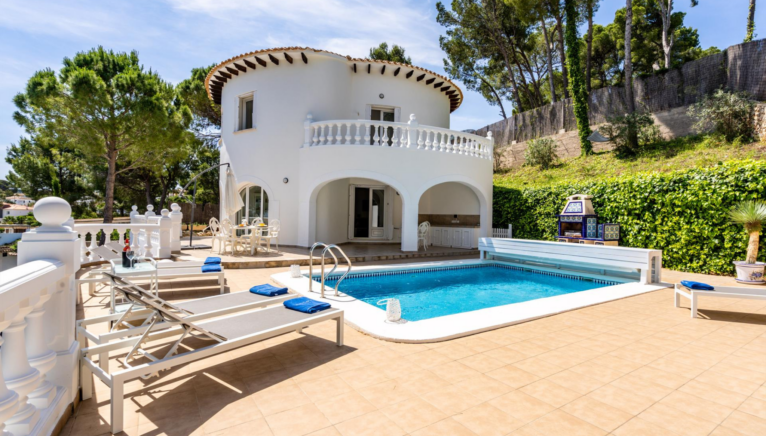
x=682, y=213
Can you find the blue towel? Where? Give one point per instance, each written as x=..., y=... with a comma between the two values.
x=306, y=305
x=268, y=290
x=213, y=261
x=697, y=286
x=211, y=268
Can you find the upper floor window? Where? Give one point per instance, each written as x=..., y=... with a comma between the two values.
x=246, y=112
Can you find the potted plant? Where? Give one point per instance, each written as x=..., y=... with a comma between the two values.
x=752, y=215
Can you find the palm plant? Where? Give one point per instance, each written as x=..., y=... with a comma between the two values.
x=752, y=215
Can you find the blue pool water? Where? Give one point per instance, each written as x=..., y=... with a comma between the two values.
x=429, y=294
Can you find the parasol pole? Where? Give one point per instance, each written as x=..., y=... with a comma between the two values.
x=194, y=198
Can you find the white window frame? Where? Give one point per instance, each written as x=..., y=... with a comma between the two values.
x=241, y=100
x=246, y=208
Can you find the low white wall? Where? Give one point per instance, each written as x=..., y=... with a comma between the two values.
x=449, y=199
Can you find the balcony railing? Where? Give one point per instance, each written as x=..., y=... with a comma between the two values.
x=399, y=135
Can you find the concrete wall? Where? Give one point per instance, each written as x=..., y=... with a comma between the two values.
x=449, y=199
x=332, y=212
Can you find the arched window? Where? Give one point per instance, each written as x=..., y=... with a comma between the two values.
x=256, y=204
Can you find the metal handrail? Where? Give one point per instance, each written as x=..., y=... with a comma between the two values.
x=348, y=261
x=311, y=263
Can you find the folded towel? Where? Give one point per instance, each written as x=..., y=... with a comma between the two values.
x=268, y=290
x=697, y=286
x=213, y=261
x=306, y=305
x=211, y=268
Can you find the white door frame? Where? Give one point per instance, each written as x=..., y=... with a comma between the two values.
x=387, y=217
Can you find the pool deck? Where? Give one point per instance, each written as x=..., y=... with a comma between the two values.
x=635, y=366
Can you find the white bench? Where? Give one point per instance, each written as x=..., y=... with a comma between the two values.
x=648, y=263
x=720, y=291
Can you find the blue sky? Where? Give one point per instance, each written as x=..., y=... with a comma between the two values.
x=173, y=36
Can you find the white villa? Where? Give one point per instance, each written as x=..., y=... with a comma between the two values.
x=350, y=150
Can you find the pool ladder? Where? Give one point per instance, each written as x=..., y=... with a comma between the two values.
x=328, y=248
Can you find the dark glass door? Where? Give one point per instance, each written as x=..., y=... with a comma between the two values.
x=361, y=212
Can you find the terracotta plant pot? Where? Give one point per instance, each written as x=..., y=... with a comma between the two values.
x=750, y=273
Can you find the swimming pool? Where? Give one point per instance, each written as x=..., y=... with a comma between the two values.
x=434, y=292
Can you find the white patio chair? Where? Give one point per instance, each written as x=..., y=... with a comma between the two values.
x=274, y=227
x=215, y=229
x=423, y=230
x=228, y=239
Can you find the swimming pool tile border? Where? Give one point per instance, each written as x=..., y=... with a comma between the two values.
x=447, y=268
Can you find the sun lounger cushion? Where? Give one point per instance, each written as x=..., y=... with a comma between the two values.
x=697, y=286
x=268, y=290
x=306, y=305
x=213, y=261
x=211, y=268
x=218, y=302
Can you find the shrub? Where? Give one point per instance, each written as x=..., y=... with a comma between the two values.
x=683, y=213
x=726, y=112
x=617, y=129
x=541, y=152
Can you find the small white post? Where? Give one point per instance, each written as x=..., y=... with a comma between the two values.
x=133, y=213
x=412, y=128
x=510, y=231
x=166, y=227
x=176, y=217
x=490, y=148
x=149, y=212
x=307, y=130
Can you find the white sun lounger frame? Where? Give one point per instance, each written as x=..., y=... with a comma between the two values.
x=116, y=381
x=720, y=291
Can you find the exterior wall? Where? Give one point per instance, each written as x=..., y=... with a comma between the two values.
x=16, y=212
x=332, y=212
x=328, y=89
x=448, y=199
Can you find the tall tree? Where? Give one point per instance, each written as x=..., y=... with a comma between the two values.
x=750, y=22
x=632, y=133
x=109, y=107
x=557, y=12
x=206, y=115
x=668, y=38
x=576, y=81
x=395, y=54
x=590, y=8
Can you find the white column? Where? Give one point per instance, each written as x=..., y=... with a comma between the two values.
x=9, y=400
x=166, y=227
x=412, y=131
x=176, y=217
x=41, y=358
x=409, y=224
x=490, y=150
x=19, y=375
x=307, y=131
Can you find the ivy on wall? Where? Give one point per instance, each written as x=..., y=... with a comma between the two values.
x=682, y=213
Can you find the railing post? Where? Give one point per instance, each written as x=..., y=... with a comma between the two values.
x=9, y=400
x=176, y=217
x=490, y=148
x=307, y=130
x=149, y=212
x=412, y=128
x=52, y=315
x=133, y=213
x=19, y=375
x=166, y=228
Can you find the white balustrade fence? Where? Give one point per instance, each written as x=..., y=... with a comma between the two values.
x=38, y=351
x=399, y=135
x=98, y=242
x=503, y=233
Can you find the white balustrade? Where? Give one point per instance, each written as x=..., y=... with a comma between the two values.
x=38, y=351
x=395, y=135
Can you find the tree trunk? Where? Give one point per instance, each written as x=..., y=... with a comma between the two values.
x=750, y=22
x=589, y=51
x=752, y=247
x=632, y=133
x=562, y=54
x=148, y=190
x=497, y=96
x=111, y=175
x=549, y=55
x=667, y=39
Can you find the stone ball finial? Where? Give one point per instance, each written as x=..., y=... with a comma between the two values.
x=175, y=207
x=412, y=117
x=149, y=207
x=309, y=116
x=134, y=208
x=52, y=213
x=165, y=212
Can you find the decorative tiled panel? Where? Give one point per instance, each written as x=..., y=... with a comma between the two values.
x=574, y=207
x=611, y=232
x=591, y=228
x=570, y=219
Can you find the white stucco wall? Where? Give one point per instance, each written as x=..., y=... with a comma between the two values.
x=328, y=88
x=449, y=198
x=332, y=212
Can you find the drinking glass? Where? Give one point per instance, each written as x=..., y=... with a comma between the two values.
x=130, y=255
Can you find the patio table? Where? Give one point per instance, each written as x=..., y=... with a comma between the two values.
x=142, y=269
x=255, y=235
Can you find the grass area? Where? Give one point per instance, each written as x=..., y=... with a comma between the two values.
x=688, y=152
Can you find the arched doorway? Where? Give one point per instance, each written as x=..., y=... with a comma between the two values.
x=256, y=202
x=457, y=211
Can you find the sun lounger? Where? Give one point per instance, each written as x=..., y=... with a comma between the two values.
x=226, y=334
x=719, y=291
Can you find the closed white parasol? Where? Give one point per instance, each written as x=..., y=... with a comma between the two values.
x=232, y=201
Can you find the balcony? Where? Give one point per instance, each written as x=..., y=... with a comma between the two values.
x=370, y=133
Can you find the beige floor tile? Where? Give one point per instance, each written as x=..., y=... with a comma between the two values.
x=754, y=406
x=725, y=431
x=550, y=392
x=621, y=399
x=506, y=355
x=230, y=414
x=582, y=384
x=561, y=423
x=422, y=382
x=345, y=407
x=597, y=413
x=482, y=362
x=443, y=428
x=521, y=406
x=486, y=420
x=729, y=383
x=327, y=431
x=451, y=400
x=513, y=376
x=280, y=398
x=453, y=372
x=385, y=394
x=538, y=366
x=483, y=387
x=746, y=424
x=597, y=371
x=642, y=387
x=639, y=427
x=660, y=377
x=297, y=422
x=427, y=359
x=713, y=393
x=413, y=414
x=366, y=376
x=324, y=388
x=677, y=421
x=257, y=427
x=371, y=424
x=696, y=406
